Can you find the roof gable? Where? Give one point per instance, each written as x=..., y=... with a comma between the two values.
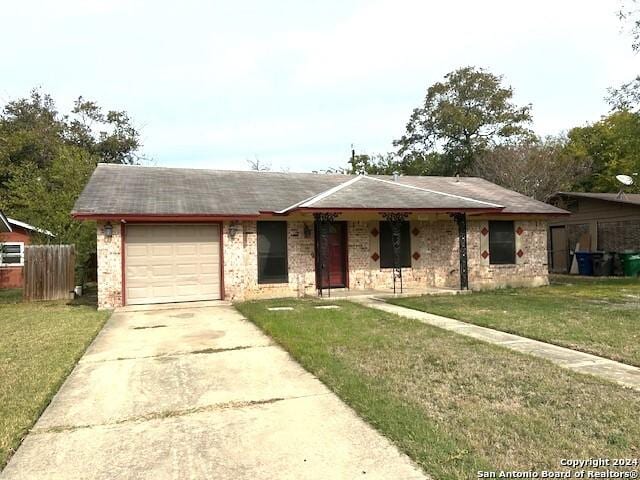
x=363, y=192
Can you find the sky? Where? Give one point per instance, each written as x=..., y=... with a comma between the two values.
x=211, y=84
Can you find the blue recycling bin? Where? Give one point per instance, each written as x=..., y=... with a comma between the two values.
x=585, y=264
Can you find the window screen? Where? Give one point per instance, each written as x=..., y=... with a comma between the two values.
x=11, y=254
x=502, y=243
x=386, y=245
x=272, y=252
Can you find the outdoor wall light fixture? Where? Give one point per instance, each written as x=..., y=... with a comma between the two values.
x=108, y=230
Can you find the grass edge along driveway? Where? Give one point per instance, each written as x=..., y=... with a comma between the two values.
x=597, y=316
x=40, y=343
x=455, y=405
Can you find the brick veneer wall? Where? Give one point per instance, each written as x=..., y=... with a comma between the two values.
x=531, y=267
x=240, y=242
x=109, y=267
x=11, y=276
x=434, y=259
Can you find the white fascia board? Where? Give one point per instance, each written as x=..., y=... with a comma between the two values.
x=307, y=202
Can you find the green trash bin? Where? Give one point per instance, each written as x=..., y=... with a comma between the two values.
x=631, y=263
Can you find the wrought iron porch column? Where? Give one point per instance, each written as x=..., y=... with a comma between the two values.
x=324, y=221
x=461, y=220
x=396, y=220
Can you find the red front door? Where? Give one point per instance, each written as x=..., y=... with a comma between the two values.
x=332, y=272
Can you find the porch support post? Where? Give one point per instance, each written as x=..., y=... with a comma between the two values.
x=395, y=220
x=323, y=262
x=461, y=220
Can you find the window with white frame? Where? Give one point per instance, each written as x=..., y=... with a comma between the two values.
x=11, y=254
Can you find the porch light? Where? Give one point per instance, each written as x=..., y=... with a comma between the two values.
x=108, y=230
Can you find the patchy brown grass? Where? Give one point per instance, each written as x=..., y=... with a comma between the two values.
x=454, y=404
x=593, y=315
x=40, y=343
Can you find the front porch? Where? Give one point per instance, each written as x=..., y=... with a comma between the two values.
x=348, y=294
x=359, y=256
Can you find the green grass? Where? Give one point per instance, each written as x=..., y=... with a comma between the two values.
x=40, y=343
x=454, y=404
x=598, y=316
x=10, y=295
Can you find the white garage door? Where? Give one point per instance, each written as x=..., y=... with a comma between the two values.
x=172, y=263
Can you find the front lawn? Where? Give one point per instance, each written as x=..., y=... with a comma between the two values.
x=598, y=316
x=454, y=404
x=39, y=345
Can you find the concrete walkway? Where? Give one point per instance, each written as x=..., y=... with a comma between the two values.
x=198, y=393
x=573, y=360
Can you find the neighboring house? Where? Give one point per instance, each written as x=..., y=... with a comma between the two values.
x=14, y=235
x=171, y=234
x=611, y=223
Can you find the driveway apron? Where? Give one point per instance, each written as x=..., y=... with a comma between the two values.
x=198, y=393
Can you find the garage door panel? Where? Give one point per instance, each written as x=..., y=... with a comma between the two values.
x=172, y=263
x=162, y=251
x=187, y=249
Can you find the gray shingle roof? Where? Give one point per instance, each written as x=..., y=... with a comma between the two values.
x=631, y=198
x=133, y=190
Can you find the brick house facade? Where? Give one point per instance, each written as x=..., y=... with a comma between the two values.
x=434, y=260
x=13, y=239
x=166, y=235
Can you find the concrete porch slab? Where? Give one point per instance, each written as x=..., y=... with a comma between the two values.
x=346, y=293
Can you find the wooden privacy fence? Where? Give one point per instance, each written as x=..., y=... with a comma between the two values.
x=49, y=272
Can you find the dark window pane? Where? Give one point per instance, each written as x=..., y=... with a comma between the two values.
x=272, y=252
x=11, y=249
x=11, y=259
x=10, y=254
x=386, y=245
x=502, y=242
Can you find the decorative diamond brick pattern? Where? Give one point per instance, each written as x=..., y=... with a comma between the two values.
x=520, y=253
x=415, y=231
x=484, y=231
x=416, y=255
x=375, y=232
x=484, y=254
x=375, y=257
x=519, y=231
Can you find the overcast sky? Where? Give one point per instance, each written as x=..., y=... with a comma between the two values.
x=295, y=83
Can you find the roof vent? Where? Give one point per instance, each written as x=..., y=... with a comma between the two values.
x=395, y=176
x=457, y=177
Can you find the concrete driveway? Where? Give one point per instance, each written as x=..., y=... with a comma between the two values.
x=197, y=393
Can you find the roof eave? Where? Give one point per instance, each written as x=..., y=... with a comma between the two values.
x=161, y=217
x=4, y=222
x=393, y=209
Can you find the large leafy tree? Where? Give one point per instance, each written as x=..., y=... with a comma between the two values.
x=390, y=164
x=613, y=146
x=46, y=159
x=461, y=118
